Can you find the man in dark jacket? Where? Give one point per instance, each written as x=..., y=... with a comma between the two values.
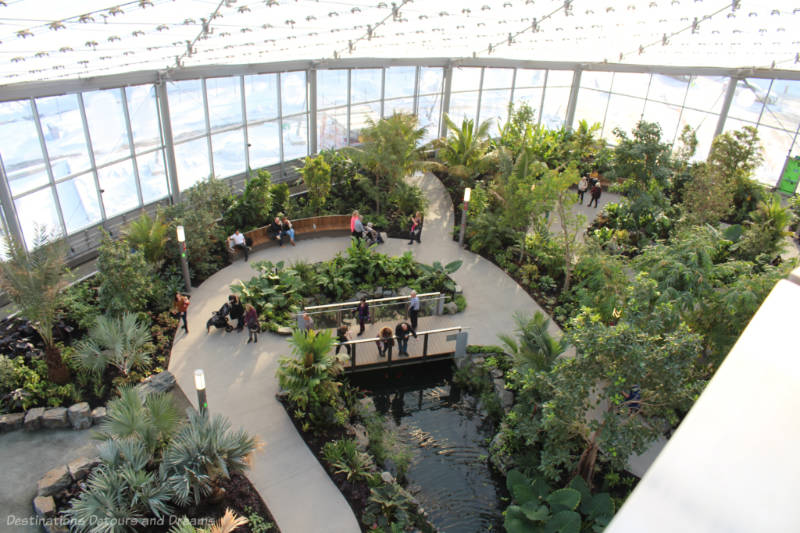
x=276, y=229
x=402, y=332
x=237, y=311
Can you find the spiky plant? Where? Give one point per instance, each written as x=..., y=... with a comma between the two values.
x=346, y=458
x=229, y=522
x=465, y=149
x=535, y=348
x=32, y=280
x=204, y=452
x=120, y=342
x=149, y=235
x=152, y=420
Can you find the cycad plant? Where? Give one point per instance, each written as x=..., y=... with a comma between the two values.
x=203, y=453
x=465, y=149
x=32, y=280
x=310, y=376
x=123, y=343
x=149, y=236
x=534, y=348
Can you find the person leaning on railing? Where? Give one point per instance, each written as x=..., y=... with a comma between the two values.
x=385, y=342
x=402, y=332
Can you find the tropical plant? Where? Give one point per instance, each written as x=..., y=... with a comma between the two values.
x=437, y=276
x=253, y=208
x=734, y=155
x=203, y=453
x=310, y=377
x=229, y=522
x=535, y=348
x=149, y=236
x=317, y=177
x=32, y=281
x=345, y=458
x=123, y=343
x=570, y=222
x=126, y=279
x=465, y=149
x=766, y=232
x=538, y=508
x=391, y=508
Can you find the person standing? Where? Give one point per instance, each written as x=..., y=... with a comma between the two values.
x=362, y=315
x=237, y=311
x=402, y=332
x=288, y=229
x=276, y=228
x=413, y=312
x=342, y=337
x=306, y=323
x=180, y=306
x=251, y=321
x=385, y=342
x=237, y=242
x=416, y=228
x=583, y=186
x=595, y=192
x=358, y=228
x=353, y=219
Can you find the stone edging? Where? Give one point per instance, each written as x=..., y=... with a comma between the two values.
x=77, y=416
x=54, y=482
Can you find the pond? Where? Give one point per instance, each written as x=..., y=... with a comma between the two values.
x=449, y=473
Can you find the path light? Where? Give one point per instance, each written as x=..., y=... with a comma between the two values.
x=467, y=194
x=184, y=264
x=200, y=385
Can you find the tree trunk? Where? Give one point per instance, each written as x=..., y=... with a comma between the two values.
x=567, y=267
x=588, y=460
x=57, y=371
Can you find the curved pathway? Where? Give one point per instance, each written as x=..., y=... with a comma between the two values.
x=240, y=377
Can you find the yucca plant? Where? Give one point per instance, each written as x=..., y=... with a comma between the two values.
x=152, y=420
x=120, y=342
x=229, y=522
x=345, y=458
x=149, y=235
x=32, y=280
x=535, y=349
x=204, y=452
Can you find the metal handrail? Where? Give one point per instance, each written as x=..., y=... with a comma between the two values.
x=441, y=330
x=375, y=300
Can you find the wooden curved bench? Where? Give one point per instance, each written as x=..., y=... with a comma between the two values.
x=324, y=226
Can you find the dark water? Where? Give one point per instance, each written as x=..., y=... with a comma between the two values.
x=449, y=472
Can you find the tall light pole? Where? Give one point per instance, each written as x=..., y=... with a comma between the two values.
x=467, y=193
x=200, y=385
x=184, y=263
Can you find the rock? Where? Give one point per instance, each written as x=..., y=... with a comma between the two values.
x=282, y=395
x=361, y=294
x=507, y=399
x=387, y=293
x=496, y=373
x=55, y=418
x=54, y=481
x=404, y=291
x=387, y=477
x=450, y=308
x=33, y=418
x=11, y=421
x=499, y=385
x=44, y=506
x=360, y=434
x=378, y=292
x=390, y=468
x=478, y=360
x=367, y=405
x=80, y=416
x=160, y=383
x=98, y=415
x=79, y=468
x=284, y=330
x=459, y=290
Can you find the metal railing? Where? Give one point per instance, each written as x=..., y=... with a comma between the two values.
x=434, y=343
x=388, y=309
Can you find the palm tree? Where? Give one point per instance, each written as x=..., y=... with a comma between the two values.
x=150, y=236
x=466, y=148
x=32, y=280
x=536, y=349
x=390, y=151
x=121, y=342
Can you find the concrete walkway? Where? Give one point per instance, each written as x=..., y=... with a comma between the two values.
x=240, y=377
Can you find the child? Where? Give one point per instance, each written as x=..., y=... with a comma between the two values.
x=342, y=337
x=251, y=320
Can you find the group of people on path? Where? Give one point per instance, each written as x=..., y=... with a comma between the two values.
x=386, y=337
x=360, y=231
x=590, y=183
x=279, y=228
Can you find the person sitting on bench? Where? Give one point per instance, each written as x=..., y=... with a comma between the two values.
x=276, y=229
x=371, y=235
x=237, y=241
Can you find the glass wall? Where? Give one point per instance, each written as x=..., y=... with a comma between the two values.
x=75, y=160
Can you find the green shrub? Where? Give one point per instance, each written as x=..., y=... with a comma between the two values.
x=26, y=385
x=127, y=282
x=123, y=343
x=78, y=304
x=345, y=458
x=253, y=208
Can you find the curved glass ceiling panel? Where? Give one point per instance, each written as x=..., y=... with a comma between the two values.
x=782, y=109
x=224, y=102
x=295, y=137
x=265, y=148
x=365, y=85
x=37, y=210
x=107, y=129
x=62, y=127
x=466, y=79
x=143, y=111
x=430, y=80
x=591, y=106
x=331, y=88
x=706, y=93
x=748, y=99
x=186, y=109
x=332, y=128
x=668, y=89
x=152, y=176
x=20, y=148
x=498, y=78
x=79, y=203
x=228, y=153
x=400, y=82
x=293, y=92
x=261, y=97
x=118, y=188
x=191, y=160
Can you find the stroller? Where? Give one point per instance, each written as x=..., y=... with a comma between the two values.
x=219, y=319
x=372, y=236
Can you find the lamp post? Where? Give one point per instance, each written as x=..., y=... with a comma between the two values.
x=184, y=263
x=200, y=385
x=467, y=193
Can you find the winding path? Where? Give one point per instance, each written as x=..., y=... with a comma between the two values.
x=240, y=377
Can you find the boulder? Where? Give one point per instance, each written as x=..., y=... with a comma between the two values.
x=159, y=383
x=79, y=468
x=98, y=415
x=507, y=399
x=361, y=294
x=360, y=434
x=284, y=330
x=404, y=291
x=80, y=416
x=33, y=418
x=450, y=308
x=11, y=421
x=55, y=418
x=54, y=481
x=496, y=373
x=387, y=293
x=44, y=506
x=478, y=360
x=387, y=477
x=378, y=292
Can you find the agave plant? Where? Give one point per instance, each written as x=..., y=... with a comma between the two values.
x=32, y=280
x=203, y=453
x=149, y=236
x=120, y=342
x=535, y=349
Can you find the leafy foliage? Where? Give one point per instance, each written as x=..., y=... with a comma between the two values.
x=127, y=282
x=345, y=458
x=317, y=177
x=149, y=236
x=253, y=208
x=535, y=348
x=465, y=149
x=122, y=342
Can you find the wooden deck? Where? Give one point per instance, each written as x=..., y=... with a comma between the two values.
x=425, y=346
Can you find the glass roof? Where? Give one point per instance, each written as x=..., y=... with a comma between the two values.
x=57, y=39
